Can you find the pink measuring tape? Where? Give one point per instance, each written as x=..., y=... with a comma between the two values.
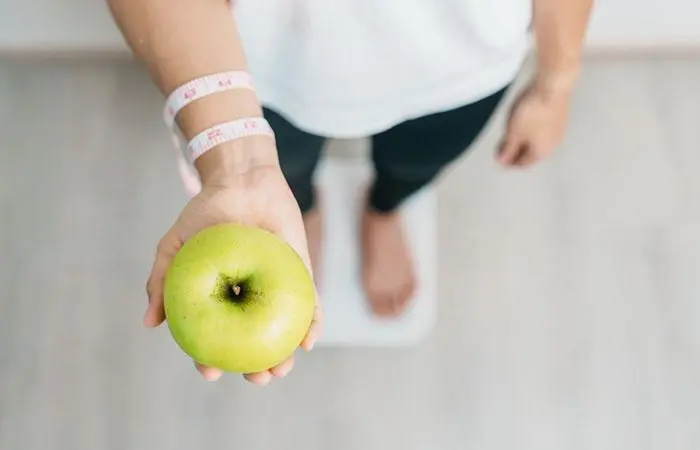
x=202, y=87
x=216, y=135
x=226, y=132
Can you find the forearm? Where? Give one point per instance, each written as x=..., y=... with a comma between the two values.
x=560, y=30
x=180, y=40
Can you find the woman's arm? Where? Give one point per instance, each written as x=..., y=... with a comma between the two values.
x=180, y=40
x=560, y=29
x=538, y=117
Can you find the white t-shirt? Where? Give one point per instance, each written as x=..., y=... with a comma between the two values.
x=352, y=68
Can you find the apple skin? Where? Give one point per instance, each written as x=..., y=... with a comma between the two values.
x=247, y=329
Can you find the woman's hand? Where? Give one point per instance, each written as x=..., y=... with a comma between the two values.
x=536, y=124
x=258, y=196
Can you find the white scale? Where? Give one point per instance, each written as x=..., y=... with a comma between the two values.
x=348, y=320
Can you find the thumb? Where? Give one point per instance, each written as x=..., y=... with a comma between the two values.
x=295, y=236
x=290, y=228
x=166, y=250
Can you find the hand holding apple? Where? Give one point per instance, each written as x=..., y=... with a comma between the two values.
x=258, y=199
x=238, y=298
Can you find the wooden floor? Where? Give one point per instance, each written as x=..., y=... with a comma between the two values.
x=569, y=317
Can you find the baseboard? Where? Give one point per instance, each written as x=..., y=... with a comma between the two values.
x=652, y=50
x=65, y=54
x=595, y=50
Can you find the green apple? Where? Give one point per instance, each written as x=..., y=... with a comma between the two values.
x=238, y=298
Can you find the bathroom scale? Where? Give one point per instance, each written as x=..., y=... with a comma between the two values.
x=348, y=319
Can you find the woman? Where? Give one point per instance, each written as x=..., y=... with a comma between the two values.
x=421, y=78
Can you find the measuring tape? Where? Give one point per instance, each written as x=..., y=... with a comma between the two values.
x=227, y=132
x=214, y=136
x=202, y=87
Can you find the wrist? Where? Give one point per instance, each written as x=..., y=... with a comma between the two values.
x=557, y=82
x=228, y=161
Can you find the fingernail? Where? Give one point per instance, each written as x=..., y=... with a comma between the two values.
x=210, y=375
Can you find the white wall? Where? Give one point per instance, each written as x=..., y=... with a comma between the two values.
x=645, y=23
x=85, y=24
x=57, y=24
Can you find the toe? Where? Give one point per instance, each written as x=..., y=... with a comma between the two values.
x=379, y=302
x=403, y=299
x=398, y=304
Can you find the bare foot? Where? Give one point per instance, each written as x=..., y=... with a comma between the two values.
x=313, y=224
x=387, y=267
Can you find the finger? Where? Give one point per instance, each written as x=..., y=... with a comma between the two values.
x=295, y=236
x=281, y=370
x=260, y=378
x=526, y=160
x=525, y=157
x=209, y=373
x=167, y=247
x=508, y=151
x=315, y=329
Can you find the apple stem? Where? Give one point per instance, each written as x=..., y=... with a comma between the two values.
x=236, y=290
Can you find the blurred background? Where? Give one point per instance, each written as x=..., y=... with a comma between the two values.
x=569, y=315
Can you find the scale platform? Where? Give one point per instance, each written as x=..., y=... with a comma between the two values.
x=348, y=320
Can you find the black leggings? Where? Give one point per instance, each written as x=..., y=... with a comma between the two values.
x=406, y=157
